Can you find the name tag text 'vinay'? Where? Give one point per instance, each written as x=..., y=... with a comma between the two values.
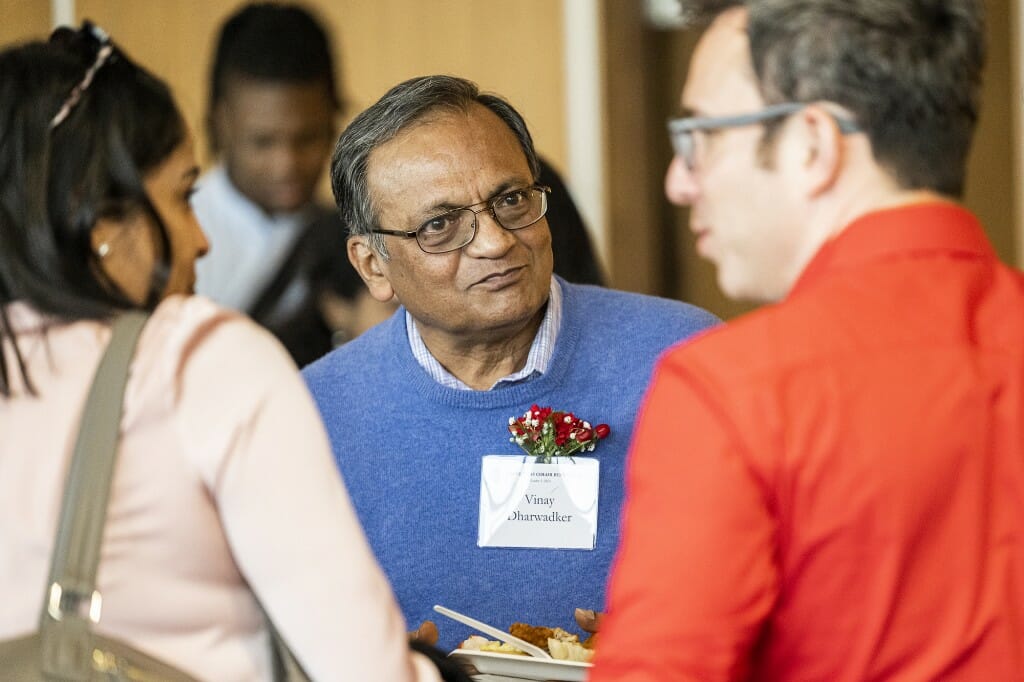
x=526, y=504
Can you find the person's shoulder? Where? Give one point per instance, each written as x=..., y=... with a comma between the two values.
x=627, y=330
x=190, y=336
x=643, y=310
x=181, y=315
x=185, y=325
x=756, y=346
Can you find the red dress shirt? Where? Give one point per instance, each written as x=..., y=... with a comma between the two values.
x=832, y=488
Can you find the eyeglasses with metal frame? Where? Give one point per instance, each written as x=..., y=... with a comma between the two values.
x=452, y=230
x=682, y=131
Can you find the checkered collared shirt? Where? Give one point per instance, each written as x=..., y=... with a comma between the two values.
x=537, y=362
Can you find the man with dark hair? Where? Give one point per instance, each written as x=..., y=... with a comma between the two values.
x=438, y=186
x=832, y=487
x=275, y=253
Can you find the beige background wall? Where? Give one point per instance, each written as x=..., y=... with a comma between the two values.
x=513, y=49
x=23, y=19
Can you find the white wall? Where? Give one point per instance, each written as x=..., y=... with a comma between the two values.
x=584, y=120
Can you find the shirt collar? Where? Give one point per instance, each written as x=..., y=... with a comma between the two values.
x=537, y=361
x=913, y=229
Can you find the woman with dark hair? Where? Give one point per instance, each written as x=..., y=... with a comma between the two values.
x=225, y=501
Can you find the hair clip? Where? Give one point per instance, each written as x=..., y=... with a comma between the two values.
x=102, y=57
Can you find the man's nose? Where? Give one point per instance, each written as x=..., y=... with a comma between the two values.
x=491, y=240
x=285, y=159
x=680, y=184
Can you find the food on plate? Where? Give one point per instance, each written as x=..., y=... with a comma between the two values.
x=478, y=643
x=538, y=635
x=569, y=651
x=562, y=645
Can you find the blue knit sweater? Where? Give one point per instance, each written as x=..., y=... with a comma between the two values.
x=410, y=452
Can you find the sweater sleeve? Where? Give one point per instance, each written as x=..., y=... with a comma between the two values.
x=694, y=577
x=294, y=535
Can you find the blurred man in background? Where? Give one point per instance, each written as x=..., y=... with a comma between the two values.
x=275, y=253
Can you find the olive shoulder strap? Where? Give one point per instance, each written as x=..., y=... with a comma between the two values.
x=72, y=604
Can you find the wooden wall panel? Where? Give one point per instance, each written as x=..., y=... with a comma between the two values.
x=513, y=49
x=992, y=178
x=22, y=20
x=637, y=208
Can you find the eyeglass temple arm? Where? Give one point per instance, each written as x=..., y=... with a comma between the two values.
x=682, y=125
x=397, y=233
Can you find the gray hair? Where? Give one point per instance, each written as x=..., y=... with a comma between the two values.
x=908, y=70
x=401, y=107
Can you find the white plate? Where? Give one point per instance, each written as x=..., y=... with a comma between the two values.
x=524, y=667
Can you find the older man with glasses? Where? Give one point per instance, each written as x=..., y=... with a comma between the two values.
x=849, y=501
x=437, y=185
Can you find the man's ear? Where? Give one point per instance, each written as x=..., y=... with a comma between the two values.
x=371, y=267
x=824, y=149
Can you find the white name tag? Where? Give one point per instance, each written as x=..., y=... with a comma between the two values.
x=526, y=504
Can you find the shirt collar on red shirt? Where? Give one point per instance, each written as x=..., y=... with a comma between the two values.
x=915, y=228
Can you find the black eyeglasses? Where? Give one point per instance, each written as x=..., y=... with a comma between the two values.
x=454, y=229
x=682, y=131
x=103, y=55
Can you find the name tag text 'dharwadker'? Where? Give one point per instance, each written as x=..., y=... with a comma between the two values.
x=527, y=504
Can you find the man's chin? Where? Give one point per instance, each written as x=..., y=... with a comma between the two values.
x=289, y=205
x=745, y=291
x=283, y=201
x=733, y=287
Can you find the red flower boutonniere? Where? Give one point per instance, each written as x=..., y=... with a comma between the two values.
x=545, y=433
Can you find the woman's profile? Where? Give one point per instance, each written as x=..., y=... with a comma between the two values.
x=225, y=498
